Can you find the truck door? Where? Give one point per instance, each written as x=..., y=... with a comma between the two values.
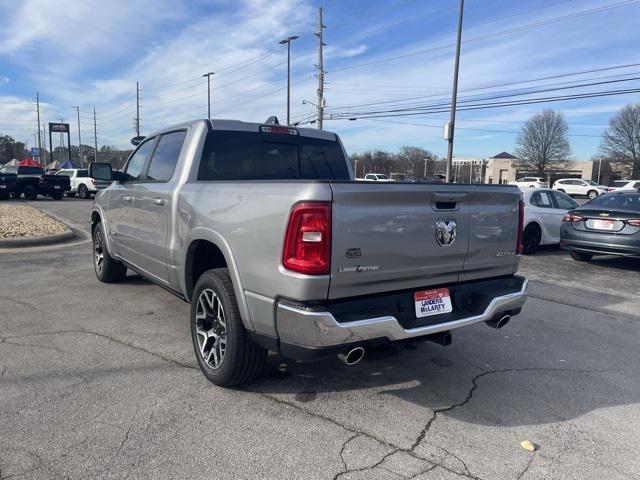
x=120, y=214
x=152, y=205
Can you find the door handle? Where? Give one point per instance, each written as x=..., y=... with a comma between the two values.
x=127, y=199
x=158, y=201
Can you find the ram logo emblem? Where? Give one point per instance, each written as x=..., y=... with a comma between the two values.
x=446, y=231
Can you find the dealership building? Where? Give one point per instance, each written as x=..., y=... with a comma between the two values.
x=501, y=169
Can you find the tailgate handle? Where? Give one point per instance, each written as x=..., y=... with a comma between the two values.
x=447, y=201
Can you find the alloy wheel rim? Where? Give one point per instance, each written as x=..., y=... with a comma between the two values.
x=98, y=252
x=211, y=328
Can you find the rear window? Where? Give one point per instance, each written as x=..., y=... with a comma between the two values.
x=83, y=173
x=626, y=201
x=619, y=183
x=231, y=155
x=30, y=171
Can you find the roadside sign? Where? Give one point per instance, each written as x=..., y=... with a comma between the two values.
x=59, y=127
x=35, y=152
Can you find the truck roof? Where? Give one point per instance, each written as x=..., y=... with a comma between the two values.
x=237, y=125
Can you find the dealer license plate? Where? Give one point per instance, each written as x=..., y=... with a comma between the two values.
x=3, y=186
x=57, y=187
x=432, y=302
x=604, y=224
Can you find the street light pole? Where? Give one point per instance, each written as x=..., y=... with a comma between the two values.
x=79, y=138
x=208, y=75
x=454, y=95
x=287, y=41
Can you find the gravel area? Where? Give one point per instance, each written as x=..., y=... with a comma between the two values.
x=26, y=221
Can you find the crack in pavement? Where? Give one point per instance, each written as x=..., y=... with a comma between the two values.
x=107, y=337
x=526, y=468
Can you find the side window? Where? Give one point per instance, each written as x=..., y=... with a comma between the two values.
x=542, y=200
x=165, y=158
x=636, y=185
x=564, y=202
x=137, y=161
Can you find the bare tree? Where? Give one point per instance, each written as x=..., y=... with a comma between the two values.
x=621, y=141
x=412, y=160
x=543, y=145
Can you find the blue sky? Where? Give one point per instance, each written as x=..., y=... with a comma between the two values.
x=92, y=52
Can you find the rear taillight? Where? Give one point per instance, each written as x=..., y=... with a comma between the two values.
x=93, y=181
x=635, y=222
x=572, y=217
x=519, y=247
x=307, y=241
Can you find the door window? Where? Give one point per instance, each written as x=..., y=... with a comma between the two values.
x=165, y=158
x=564, y=202
x=137, y=161
x=542, y=200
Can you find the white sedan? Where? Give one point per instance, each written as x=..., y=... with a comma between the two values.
x=544, y=209
x=625, y=185
x=576, y=186
x=530, y=182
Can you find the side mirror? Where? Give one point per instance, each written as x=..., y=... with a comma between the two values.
x=101, y=171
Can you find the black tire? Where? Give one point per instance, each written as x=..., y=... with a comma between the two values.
x=581, y=256
x=592, y=194
x=30, y=192
x=531, y=239
x=16, y=194
x=242, y=360
x=71, y=195
x=57, y=196
x=83, y=192
x=108, y=270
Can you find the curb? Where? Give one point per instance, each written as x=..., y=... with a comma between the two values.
x=33, y=241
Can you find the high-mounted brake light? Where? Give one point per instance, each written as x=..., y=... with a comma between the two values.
x=307, y=241
x=519, y=246
x=278, y=129
x=572, y=217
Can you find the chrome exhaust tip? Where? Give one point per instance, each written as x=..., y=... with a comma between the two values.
x=353, y=356
x=499, y=322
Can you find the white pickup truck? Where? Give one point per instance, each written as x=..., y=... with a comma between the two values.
x=81, y=183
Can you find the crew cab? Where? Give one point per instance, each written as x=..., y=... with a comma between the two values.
x=31, y=182
x=80, y=182
x=263, y=229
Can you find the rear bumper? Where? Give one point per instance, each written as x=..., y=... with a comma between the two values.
x=599, y=243
x=304, y=328
x=601, y=248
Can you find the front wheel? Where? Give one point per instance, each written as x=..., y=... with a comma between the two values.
x=581, y=256
x=592, y=194
x=16, y=194
x=83, y=192
x=224, y=349
x=531, y=239
x=30, y=192
x=108, y=269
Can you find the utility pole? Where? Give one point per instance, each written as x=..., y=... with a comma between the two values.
x=287, y=42
x=320, y=68
x=61, y=143
x=355, y=173
x=137, y=109
x=454, y=95
x=42, y=157
x=39, y=137
x=95, y=137
x=425, y=169
x=79, y=138
x=208, y=75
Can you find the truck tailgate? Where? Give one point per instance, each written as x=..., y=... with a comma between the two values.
x=385, y=235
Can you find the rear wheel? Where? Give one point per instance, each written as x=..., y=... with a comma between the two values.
x=592, y=194
x=83, y=192
x=531, y=239
x=581, y=256
x=224, y=349
x=30, y=192
x=108, y=269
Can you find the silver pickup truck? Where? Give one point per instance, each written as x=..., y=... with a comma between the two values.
x=263, y=229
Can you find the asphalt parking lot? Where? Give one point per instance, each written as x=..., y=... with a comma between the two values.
x=99, y=381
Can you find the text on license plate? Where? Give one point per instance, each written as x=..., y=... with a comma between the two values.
x=432, y=302
x=604, y=224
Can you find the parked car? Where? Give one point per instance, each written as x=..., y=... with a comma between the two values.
x=530, y=182
x=576, y=186
x=544, y=210
x=8, y=183
x=32, y=181
x=81, y=183
x=377, y=177
x=624, y=185
x=263, y=230
x=609, y=224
